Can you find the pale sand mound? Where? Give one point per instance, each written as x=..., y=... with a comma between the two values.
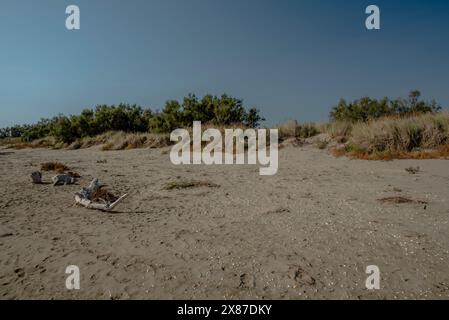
x=308, y=232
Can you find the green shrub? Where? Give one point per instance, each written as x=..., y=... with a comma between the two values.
x=224, y=110
x=219, y=111
x=366, y=109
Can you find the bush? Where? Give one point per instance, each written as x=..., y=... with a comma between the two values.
x=63, y=130
x=73, y=130
x=37, y=131
x=366, y=109
x=219, y=111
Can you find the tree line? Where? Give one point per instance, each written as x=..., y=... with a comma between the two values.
x=221, y=110
x=217, y=110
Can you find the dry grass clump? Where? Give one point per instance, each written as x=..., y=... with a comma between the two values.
x=103, y=195
x=119, y=140
x=159, y=141
x=18, y=143
x=428, y=131
x=416, y=137
x=8, y=141
x=189, y=184
x=54, y=166
x=288, y=130
x=292, y=129
x=339, y=130
x=88, y=142
x=126, y=141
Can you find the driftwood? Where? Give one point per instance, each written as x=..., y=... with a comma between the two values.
x=84, y=195
x=63, y=179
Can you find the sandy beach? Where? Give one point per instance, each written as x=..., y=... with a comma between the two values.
x=306, y=233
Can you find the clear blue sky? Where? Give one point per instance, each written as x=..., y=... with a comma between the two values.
x=290, y=58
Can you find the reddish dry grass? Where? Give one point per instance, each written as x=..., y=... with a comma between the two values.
x=54, y=166
x=103, y=195
x=340, y=152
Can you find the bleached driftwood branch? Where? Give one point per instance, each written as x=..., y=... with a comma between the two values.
x=83, y=198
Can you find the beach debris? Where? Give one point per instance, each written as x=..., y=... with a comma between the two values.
x=401, y=200
x=5, y=235
x=54, y=166
x=279, y=210
x=86, y=197
x=303, y=278
x=19, y=272
x=412, y=170
x=36, y=177
x=189, y=184
x=247, y=281
x=63, y=179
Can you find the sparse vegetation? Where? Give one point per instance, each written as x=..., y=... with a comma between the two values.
x=54, y=166
x=189, y=184
x=292, y=129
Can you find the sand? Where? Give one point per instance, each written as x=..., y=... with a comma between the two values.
x=307, y=233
